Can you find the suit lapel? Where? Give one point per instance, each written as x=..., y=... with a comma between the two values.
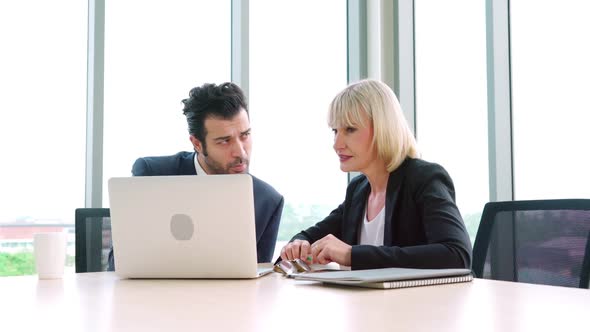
x=187, y=164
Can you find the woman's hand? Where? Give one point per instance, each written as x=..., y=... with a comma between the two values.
x=297, y=249
x=331, y=249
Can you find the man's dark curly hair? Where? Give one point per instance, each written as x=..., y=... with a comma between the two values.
x=222, y=101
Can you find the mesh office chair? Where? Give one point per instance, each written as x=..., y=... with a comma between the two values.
x=541, y=242
x=93, y=239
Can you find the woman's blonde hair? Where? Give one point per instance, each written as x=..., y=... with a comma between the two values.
x=392, y=137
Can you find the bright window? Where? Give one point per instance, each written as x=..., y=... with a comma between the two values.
x=297, y=65
x=42, y=123
x=451, y=100
x=550, y=84
x=155, y=53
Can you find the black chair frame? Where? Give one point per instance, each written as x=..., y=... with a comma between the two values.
x=86, y=245
x=484, y=232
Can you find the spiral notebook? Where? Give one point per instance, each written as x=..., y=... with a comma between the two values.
x=390, y=277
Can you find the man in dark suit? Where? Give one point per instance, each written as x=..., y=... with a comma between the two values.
x=219, y=130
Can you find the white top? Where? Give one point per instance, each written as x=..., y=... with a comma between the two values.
x=372, y=230
x=200, y=170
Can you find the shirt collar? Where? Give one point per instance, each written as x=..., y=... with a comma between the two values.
x=198, y=168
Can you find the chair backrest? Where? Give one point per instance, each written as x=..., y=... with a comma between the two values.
x=541, y=242
x=93, y=239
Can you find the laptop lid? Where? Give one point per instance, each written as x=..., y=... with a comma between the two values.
x=183, y=226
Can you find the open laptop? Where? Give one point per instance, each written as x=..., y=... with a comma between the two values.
x=184, y=227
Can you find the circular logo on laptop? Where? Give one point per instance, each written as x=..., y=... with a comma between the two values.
x=182, y=227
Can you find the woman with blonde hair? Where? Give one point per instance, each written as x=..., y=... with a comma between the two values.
x=401, y=211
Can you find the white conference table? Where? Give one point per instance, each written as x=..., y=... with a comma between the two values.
x=103, y=302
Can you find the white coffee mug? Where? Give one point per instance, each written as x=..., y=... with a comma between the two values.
x=50, y=254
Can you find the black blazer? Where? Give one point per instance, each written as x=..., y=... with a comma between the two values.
x=423, y=226
x=268, y=203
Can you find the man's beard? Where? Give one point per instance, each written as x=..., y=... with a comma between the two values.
x=217, y=168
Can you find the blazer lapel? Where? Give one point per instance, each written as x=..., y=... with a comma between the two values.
x=393, y=188
x=357, y=209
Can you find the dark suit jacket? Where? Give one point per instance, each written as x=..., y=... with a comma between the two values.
x=423, y=227
x=268, y=203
